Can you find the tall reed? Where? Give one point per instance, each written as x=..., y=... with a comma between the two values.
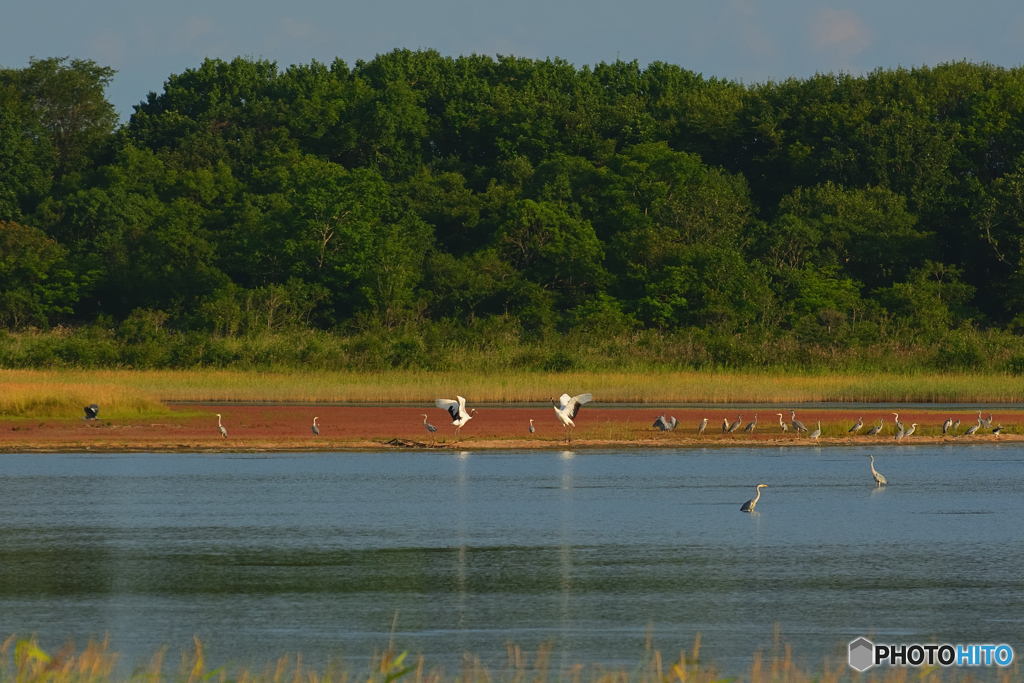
x=23, y=661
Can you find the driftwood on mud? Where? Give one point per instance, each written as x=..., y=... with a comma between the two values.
x=409, y=443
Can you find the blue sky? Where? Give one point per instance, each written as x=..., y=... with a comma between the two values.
x=746, y=40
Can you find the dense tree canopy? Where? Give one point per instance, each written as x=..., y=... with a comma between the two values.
x=417, y=189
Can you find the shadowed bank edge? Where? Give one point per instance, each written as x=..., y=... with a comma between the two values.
x=23, y=661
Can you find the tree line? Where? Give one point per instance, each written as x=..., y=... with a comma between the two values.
x=420, y=197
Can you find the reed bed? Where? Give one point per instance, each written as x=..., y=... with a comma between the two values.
x=23, y=661
x=141, y=388
x=61, y=398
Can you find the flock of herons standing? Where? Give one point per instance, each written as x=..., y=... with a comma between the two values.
x=668, y=424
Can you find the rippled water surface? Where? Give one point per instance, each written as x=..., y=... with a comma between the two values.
x=259, y=555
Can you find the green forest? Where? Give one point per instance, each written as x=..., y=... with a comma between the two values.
x=424, y=211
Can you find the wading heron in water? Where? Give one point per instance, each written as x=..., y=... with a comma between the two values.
x=316, y=430
x=701, y=426
x=798, y=426
x=568, y=407
x=457, y=409
x=817, y=432
x=223, y=432
x=749, y=505
x=785, y=427
x=879, y=479
x=856, y=428
x=877, y=428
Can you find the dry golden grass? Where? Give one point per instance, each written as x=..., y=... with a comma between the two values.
x=63, y=398
x=399, y=386
x=22, y=661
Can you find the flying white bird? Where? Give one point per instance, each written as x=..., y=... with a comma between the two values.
x=457, y=409
x=568, y=407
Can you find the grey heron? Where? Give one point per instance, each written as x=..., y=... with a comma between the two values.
x=665, y=424
x=223, y=432
x=457, y=409
x=956, y=423
x=946, y=424
x=972, y=430
x=316, y=430
x=798, y=426
x=749, y=505
x=785, y=427
x=879, y=479
x=877, y=428
x=91, y=411
x=701, y=426
x=567, y=408
x=751, y=426
x=899, y=425
x=817, y=432
x=856, y=428
x=430, y=428
x=725, y=425
x=899, y=433
x=736, y=425
x=913, y=426
x=532, y=428
x=985, y=422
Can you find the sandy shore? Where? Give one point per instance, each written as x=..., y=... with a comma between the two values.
x=287, y=428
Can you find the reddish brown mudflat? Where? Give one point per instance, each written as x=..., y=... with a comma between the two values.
x=267, y=428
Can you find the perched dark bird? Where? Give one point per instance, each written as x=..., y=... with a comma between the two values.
x=91, y=411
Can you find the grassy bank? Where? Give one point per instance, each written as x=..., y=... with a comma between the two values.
x=22, y=661
x=43, y=392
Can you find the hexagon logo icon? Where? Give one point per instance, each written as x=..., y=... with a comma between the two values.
x=862, y=653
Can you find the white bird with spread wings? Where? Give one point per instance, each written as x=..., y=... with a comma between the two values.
x=568, y=407
x=457, y=409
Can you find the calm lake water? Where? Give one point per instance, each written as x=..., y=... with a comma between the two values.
x=261, y=555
